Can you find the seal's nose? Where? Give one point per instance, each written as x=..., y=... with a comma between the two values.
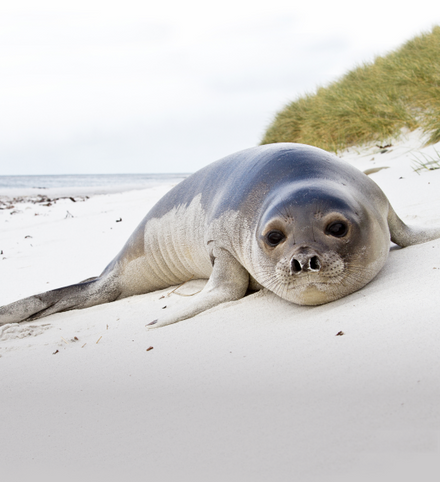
x=305, y=260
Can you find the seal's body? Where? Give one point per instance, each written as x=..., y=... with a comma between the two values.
x=288, y=217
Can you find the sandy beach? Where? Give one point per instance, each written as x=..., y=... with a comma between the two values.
x=253, y=390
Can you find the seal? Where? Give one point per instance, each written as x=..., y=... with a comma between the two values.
x=290, y=218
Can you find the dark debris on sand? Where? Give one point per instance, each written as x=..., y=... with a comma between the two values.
x=41, y=199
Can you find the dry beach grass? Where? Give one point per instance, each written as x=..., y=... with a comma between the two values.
x=371, y=103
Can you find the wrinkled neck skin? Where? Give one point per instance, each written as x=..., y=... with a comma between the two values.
x=310, y=266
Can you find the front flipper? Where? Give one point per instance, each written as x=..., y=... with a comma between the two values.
x=228, y=282
x=404, y=235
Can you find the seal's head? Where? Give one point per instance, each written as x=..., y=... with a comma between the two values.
x=317, y=242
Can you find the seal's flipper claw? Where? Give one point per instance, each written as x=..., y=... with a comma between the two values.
x=156, y=324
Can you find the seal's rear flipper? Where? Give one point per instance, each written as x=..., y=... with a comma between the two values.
x=81, y=295
x=404, y=235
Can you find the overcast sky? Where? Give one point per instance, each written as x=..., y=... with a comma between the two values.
x=168, y=86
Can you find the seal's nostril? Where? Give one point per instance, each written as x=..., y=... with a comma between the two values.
x=296, y=267
x=304, y=262
x=315, y=264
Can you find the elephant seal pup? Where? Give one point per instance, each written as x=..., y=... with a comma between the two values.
x=288, y=217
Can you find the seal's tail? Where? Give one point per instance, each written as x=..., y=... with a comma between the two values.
x=82, y=295
x=404, y=235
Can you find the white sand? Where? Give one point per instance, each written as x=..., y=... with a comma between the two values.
x=255, y=390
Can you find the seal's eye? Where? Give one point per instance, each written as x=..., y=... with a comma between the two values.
x=274, y=238
x=337, y=229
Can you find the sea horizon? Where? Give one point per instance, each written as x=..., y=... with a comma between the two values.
x=62, y=185
x=46, y=181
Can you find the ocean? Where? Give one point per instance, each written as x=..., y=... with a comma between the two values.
x=110, y=182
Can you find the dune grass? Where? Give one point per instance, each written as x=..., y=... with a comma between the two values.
x=373, y=102
x=426, y=162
